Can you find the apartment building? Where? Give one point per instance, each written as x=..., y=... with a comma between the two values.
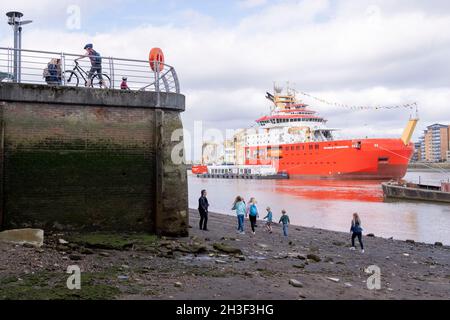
x=434, y=145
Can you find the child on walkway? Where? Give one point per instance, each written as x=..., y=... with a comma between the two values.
x=285, y=220
x=124, y=84
x=239, y=206
x=253, y=213
x=269, y=220
x=356, y=231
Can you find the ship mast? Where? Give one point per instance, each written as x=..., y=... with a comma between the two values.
x=283, y=101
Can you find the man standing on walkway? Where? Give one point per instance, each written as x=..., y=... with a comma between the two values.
x=203, y=210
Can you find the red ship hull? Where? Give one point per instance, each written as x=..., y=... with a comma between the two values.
x=379, y=159
x=199, y=169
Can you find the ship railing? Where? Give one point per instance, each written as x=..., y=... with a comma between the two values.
x=29, y=68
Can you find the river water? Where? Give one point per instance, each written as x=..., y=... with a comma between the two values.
x=329, y=205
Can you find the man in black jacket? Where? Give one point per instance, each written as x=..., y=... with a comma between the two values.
x=203, y=210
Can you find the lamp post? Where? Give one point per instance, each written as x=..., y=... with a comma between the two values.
x=14, y=20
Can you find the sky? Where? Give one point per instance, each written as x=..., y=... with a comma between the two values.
x=229, y=53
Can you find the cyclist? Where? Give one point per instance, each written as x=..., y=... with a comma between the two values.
x=96, y=63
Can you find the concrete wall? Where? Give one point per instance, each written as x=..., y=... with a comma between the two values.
x=415, y=194
x=76, y=158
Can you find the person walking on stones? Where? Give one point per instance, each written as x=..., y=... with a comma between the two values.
x=285, y=221
x=239, y=206
x=203, y=206
x=356, y=231
x=253, y=213
x=269, y=218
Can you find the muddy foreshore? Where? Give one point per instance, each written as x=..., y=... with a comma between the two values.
x=220, y=264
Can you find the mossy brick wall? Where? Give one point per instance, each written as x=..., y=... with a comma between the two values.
x=90, y=159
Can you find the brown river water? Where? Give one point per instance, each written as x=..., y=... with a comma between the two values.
x=327, y=204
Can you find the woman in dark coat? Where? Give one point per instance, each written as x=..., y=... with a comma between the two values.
x=356, y=231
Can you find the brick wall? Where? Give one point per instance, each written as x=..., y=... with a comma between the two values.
x=93, y=167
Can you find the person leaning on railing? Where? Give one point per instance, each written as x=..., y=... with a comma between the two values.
x=52, y=74
x=96, y=63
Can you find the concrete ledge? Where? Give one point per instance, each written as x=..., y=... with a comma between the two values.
x=92, y=97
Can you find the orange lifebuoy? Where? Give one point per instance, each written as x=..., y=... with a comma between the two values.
x=156, y=55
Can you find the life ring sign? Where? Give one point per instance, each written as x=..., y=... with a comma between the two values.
x=156, y=59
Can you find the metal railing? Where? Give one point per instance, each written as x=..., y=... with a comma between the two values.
x=139, y=74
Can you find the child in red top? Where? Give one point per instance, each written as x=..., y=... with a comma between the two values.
x=124, y=85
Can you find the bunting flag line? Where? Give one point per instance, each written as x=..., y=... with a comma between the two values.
x=343, y=105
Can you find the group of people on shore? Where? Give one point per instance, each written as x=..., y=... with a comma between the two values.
x=243, y=211
x=250, y=210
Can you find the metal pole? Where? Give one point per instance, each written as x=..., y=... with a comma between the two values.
x=111, y=72
x=19, y=56
x=14, y=20
x=10, y=71
x=63, y=69
x=157, y=84
x=16, y=45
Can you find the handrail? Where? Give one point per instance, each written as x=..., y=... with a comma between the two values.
x=138, y=72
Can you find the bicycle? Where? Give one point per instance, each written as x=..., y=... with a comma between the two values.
x=72, y=79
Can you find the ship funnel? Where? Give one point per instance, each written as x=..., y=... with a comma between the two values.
x=409, y=130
